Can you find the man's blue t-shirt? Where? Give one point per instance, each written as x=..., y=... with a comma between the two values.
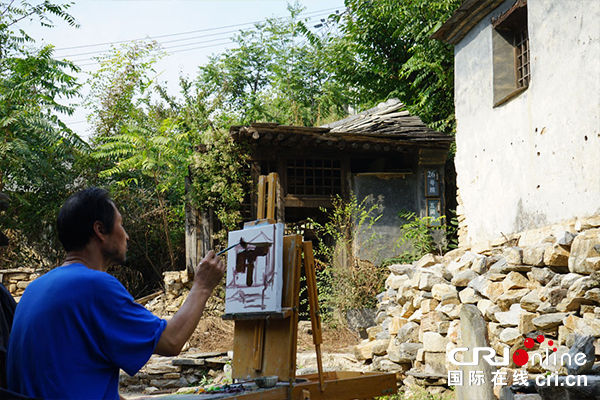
x=73, y=329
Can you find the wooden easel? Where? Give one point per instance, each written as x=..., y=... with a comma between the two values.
x=265, y=344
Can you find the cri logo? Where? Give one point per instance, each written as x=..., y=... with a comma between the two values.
x=520, y=357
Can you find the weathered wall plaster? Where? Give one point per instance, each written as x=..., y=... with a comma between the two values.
x=534, y=160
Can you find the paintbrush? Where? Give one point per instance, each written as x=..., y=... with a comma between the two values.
x=244, y=244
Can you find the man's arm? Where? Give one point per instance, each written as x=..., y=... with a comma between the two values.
x=208, y=274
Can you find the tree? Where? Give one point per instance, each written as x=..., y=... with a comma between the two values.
x=276, y=74
x=38, y=153
x=386, y=51
x=138, y=142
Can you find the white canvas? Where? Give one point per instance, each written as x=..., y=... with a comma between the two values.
x=255, y=270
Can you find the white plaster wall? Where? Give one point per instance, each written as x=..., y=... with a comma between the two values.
x=535, y=160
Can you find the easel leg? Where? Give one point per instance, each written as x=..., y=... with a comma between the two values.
x=313, y=301
x=259, y=341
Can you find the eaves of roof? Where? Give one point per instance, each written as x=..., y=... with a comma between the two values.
x=387, y=126
x=464, y=19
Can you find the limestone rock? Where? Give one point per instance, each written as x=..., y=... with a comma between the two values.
x=427, y=281
x=511, y=297
x=395, y=325
x=526, y=322
x=593, y=295
x=402, y=269
x=513, y=255
x=534, y=255
x=454, y=331
x=438, y=291
x=588, y=325
x=408, y=333
x=415, y=317
x=379, y=347
x=483, y=305
x=583, y=249
x=473, y=332
x=514, y=280
x=549, y=321
x=510, y=336
x=395, y=281
x=556, y=295
x=541, y=275
x=491, y=312
x=469, y=296
x=435, y=363
x=509, y=318
x=434, y=342
x=493, y=290
x=569, y=279
x=480, y=265
x=451, y=311
x=428, y=305
x=566, y=239
x=582, y=285
x=463, y=278
x=429, y=321
x=442, y=327
x=556, y=255
x=427, y=260
x=546, y=308
x=372, y=331
x=570, y=304
x=403, y=352
x=584, y=345
x=531, y=301
x=363, y=350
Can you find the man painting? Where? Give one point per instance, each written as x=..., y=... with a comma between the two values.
x=76, y=326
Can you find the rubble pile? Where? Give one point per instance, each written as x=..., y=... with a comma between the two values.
x=523, y=287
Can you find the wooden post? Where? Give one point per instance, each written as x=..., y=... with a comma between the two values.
x=313, y=301
x=272, y=180
x=260, y=212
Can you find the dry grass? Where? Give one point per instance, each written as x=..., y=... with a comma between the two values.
x=215, y=334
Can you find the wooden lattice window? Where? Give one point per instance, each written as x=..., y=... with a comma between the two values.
x=314, y=177
x=511, y=53
x=522, y=58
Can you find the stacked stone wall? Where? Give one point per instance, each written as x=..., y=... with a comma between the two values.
x=524, y=288
x=16, y=280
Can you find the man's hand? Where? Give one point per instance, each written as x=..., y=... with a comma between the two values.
x=207, y=276
x=209, y=271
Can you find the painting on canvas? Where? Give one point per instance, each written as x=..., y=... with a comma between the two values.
x=255, y=270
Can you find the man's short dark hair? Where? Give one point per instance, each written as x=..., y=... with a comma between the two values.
x=77, y=216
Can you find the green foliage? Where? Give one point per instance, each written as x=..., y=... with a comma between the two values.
x=343, y=280
x=386, y=51
x=38, y=154
x=276, y=74
x=418, y=393
x=424, y=235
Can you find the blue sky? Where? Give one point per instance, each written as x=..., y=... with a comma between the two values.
x=189, y=30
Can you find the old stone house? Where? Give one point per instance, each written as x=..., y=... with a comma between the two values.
x=383, y=153
x=527, y=96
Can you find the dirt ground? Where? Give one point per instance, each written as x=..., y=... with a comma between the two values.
x=215, y=334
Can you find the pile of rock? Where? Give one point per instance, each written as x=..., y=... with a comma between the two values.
x=16, y=280
x=550, y=287
x=166, y=374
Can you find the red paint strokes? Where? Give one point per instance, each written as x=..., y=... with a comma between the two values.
x=529, y=343
x=540, y=339
x=520, y=357
x=550, y=342
x=555, y=349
